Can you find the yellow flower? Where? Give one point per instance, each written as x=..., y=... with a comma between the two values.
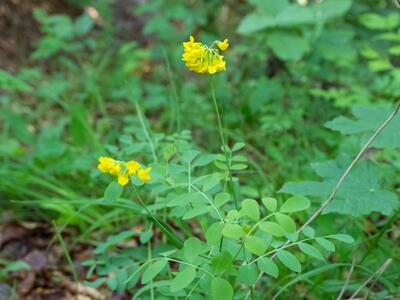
x=223, y=45
x=115, y=170
x=132, y=167
x=143, y=174
x=203, y=59
x=123, y=179
x=123, y=170
x=106, y=164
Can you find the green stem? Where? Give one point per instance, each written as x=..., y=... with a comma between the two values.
x=175, y=239
x=221, y=242
x=146, y=132
x=149, y=258
x=174, y=91
x=224, y=145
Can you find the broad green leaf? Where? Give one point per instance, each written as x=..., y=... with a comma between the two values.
x=360, y=194
x=272, y=228
x=183, y=279
x=146, y=235
x=281, y=44
x=289, y=260
x=251, y=209
x=247, y=274
x=190, y=155
x=13, y=266
x=273, y=6
x=238, y=146
x=233, y=215
x=394, y=50
x=286, y=222
x=114, y=240
x=277, y=13
x=83, y=24
x=379, y=65
x=379, y=22
x=238, y=167
x=233, y=231
x=203, y=159
x=221, y=289
x=255, y=245
x=329, y=9
x=255, y=22
x=221, y=262
x=192, y=249
x=270, y=203
x=210, y=182
x=221, y=198
x=185, y=199
x=113, y=191
x=153, y=270
x=214, y=233
x=366, y=120
x=197, y=211
x=326, y=244
x=309, y=232
x=10, y=82
x=295, y=203
x=345, y=238
x=311, y=251
x=268, y=266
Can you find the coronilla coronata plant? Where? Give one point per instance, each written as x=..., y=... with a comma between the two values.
x=123, y=170
x=201, y=58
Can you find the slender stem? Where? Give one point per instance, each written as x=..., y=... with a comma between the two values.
x=280, y=248
x=214, y=98
x=194, y=286
x=259, y=222
x=346, y=283
x=350, y=167
x=168, y=259
x=224, y=145
x=174, y=91
x=68, y=257
x=149, y=258
x=146, y=132
x=221, y=242
x=376, y=275
x=209, y=200
x=191, y=265
x=163, y=228
x=343, y=177
x=189, y=178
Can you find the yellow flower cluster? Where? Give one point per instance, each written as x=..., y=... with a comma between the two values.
x=203, y=59
x=123, y=170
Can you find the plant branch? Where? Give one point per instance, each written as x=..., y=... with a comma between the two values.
x=224, y=145
x=377, y=274
x=346, y=283
x=342, y=178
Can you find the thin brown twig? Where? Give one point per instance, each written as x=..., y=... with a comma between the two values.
x=341, y=180
x=346, y=283
x=377, y=274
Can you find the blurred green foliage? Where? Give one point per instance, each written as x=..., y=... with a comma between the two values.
x=296, y=73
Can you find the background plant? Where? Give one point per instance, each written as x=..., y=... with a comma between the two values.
x=294, y=117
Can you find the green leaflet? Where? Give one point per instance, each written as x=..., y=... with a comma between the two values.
x=360, y=194
x=367, y=120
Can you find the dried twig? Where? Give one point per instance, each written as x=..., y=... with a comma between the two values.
x=377, y=274
x=341, y=179
x=346, y=283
